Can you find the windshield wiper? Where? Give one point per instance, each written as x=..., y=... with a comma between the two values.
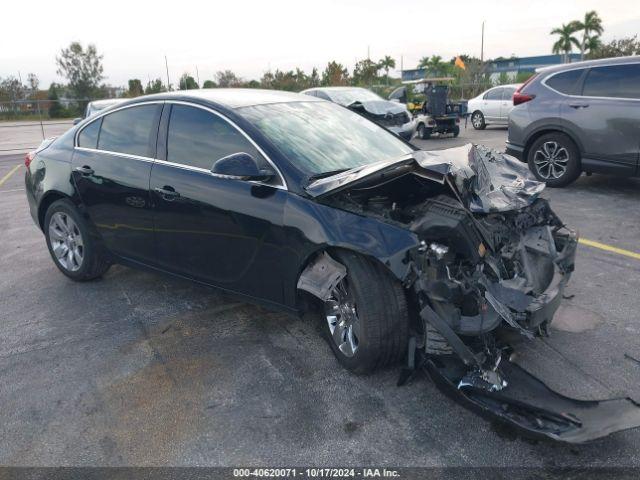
x=330, y=173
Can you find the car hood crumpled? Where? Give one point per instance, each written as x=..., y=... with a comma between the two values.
x=379, y=107
x=486, y=180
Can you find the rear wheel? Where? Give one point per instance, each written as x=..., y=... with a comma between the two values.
x=74, y=251
x=366, y=316
x=554, y=159
x=477, y=120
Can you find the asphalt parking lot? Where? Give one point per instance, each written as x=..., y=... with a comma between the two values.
x=139, y=369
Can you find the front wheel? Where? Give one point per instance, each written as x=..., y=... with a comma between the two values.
x=477, y=120
x=74, y=251
x=366, y=316
x=554, y=159
x=424, y=133
x=456, y=131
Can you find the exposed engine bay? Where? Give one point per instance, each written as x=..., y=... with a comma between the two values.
x=490, y=270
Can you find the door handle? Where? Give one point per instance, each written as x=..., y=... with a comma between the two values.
x=167, y=193
x=578, y=105
x=84, y=170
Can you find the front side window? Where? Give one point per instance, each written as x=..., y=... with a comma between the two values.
x=88, y=137
x=320, y=137
x=565, y=82
x=621, y=81
x=198, y=138
x=129, y=130
x=495, y=94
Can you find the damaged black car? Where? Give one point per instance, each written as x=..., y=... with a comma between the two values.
x=443, y=260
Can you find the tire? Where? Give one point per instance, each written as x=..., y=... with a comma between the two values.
x=456, y=131
x=424, y=133
x=378, y=317
x=477, y=120
x=554, y=159
x=67, y=231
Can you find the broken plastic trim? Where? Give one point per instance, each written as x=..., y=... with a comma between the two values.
x=531, y=407
x=321, y=276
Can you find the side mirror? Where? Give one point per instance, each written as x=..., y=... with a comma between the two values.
x=77, y=120
x=241, y=166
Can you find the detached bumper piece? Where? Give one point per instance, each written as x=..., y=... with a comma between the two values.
x=534, y=409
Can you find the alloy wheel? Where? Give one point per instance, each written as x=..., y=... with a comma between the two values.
x=476, y=120
x=551, y=160
x=66, y=241
x=342, y=319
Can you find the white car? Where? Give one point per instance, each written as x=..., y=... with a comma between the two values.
x=97, y=106
x=492, y=107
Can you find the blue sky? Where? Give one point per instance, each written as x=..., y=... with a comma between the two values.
x=250, y=36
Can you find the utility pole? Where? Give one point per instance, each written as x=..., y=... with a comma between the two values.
x=482, y=45
x=368, y=55
x=166, y=65
x=198, y=75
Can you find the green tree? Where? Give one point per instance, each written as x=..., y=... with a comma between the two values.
x=387, y=63
x=335, y=74
x=227, y=78
x=567, y=41
x=591, y=27
x=616, y=48
x=135, y=88
x=365, y=72
x=314, y=78
x=155, y=86
x=502, y=79
x=209, y=84
x=82, y=68
x=435, y=66
x=187, y=82
x=56, y=110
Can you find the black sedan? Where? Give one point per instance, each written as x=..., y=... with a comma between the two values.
x=438, y=258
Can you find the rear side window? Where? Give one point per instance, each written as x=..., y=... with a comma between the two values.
x=495, y=94
x=507, y=93
x=88, y=137
x=565, y=82
x=129, y=131
x=198, y=138
x=621, y=81
x=322, y=95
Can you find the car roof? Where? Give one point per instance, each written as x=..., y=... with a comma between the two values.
x=233, y=97
x=588, y=63
x=107, y=101
x=512, y=85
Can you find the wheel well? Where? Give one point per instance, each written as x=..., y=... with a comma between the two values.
x=331, y=250
x=45, y=203
x=537, y=135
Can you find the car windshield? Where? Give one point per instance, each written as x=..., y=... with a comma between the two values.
x=347, y=97
x=320, y=137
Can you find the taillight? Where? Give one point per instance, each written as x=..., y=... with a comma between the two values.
x=519, y=96
x=28, y=158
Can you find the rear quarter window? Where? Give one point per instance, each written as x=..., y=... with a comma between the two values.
x=565, y=82
x=88, y=137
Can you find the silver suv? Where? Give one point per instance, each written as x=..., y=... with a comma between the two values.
x=580, y=117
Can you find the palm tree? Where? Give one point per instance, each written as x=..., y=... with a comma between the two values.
x=386, y=63
x=591, y=28
x=424, y=62
x=566, y=41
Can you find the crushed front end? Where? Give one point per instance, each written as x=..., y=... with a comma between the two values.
x=487, y=270
x=486, y=279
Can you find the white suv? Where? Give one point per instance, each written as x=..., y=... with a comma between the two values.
x=492, y=106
